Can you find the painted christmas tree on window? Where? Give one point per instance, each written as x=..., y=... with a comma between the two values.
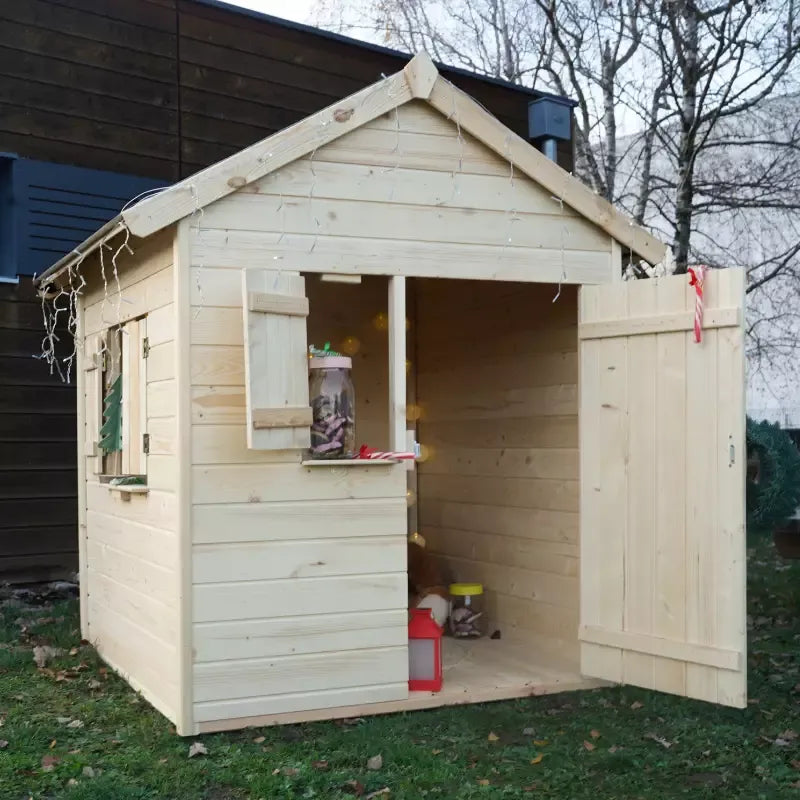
x=111, y=430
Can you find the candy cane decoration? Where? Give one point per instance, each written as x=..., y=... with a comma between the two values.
x=697, y=279
x=384, y=455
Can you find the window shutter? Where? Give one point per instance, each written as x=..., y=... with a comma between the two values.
x=134, y=398
x=56, y=206
x=275, y=308
x=93, y=399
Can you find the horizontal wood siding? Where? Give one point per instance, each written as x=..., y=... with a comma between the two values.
x=299, y=585
x=389, y=199
x=498, y=490
x=162, y=88
x=38, y=478
x=131, y=541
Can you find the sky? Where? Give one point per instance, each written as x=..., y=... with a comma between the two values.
x=297, y=10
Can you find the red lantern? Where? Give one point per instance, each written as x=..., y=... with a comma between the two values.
x=424, y=652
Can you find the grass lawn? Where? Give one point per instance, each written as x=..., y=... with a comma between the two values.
x=73, y=730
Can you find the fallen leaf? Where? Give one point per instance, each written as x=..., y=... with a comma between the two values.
x=87, y=772
x=49, y=763
x=594, y=734
x=260, y=739
x=528, y=731
x=376, y=762
x=386, y=790
x=72, y=782
x=276, y=771
x=537, y=759
x=436, y=752
x=52, y=744
x=636, y=704
x=73, y=651
x=588, y=746
x=289, y=772
x=540, y=742
x=492, y=737
x=43, y=653
x=659, y=739
x=790, y=735
x=3, y=744
x=76, y=723
x=795, y=764
x=320, y=765
x=779, y=742
x=613, y=748
x=483, y=781
x=162, y=760
x=531, y=788
x=353, y=787
x=94, y=684
x=197, y=749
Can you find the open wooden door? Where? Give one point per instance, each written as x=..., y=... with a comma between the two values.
x=662, y=512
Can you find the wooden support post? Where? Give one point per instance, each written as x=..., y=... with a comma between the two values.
x=397, y=363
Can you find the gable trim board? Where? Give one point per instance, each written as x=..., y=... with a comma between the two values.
x=419, y=79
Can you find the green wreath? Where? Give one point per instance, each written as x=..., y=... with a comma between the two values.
x=773, y=480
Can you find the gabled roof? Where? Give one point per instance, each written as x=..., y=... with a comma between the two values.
x=419, y=79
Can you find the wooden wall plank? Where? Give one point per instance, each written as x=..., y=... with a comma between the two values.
x=298, y=596
x=310, y=558
x=250, y=522
x=323, y=633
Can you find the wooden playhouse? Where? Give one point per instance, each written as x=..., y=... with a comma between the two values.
x=581, y=455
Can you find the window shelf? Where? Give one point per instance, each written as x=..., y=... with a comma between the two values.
x=349, y=462
x=125, y=492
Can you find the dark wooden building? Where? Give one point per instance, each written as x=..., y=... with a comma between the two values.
x=103, y=99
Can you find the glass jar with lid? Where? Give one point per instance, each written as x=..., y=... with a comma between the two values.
x=333, y=401
x=467, y=617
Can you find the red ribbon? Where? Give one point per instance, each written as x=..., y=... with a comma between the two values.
x=697, y=277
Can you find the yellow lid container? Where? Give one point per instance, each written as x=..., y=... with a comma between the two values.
x=466, y=589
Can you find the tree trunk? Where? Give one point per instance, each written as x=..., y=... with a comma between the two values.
x=685, y=38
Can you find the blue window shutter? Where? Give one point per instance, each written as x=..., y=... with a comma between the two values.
x=8, y=239
x=57, y=206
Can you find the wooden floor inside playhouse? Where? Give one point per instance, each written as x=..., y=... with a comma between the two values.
x=482, y=670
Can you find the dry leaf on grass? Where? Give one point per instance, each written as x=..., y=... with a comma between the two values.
x=436, y=752
x=483, y=782
x=659, y=739
x=376, y=762
x=42, y=653
x=594, y=734
x=353, y=787
x=613, y=748
x=76, y=723
x=197, y=749
x=540, y=742
x=49, y=763
x=492, y=737
x=260, y=739
x=789, y=735
x=87, y=772
x=588, y=746
x=94, y=684
x=537, y=759
x=3, y=744
x=320, y=765
x=289, y=772
x=73, y=651
x=379, y=793
x=636, y=705
x=528, y=731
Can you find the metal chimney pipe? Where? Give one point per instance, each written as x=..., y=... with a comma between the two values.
x=549, y=122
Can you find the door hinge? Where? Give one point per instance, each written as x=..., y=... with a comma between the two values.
x=145, y=347
x=146, y=443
